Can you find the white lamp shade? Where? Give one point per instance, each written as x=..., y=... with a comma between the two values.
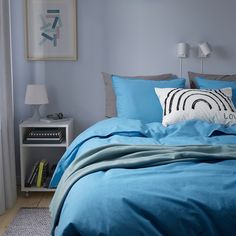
x=36, y=94
x=205, y=49
x=182, y=50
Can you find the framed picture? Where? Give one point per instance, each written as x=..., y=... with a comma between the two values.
x=51, y=30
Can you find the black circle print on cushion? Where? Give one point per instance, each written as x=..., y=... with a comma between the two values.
x=209, y=97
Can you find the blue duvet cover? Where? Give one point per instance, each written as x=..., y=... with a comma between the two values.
x=190, y=196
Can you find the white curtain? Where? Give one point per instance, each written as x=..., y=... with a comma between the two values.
x=7, y=153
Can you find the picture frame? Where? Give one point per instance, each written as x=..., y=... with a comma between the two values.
x=50, y=30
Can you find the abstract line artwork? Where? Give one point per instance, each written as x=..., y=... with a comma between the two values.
x=51, y=29
x=179, y=98
x=51, y=25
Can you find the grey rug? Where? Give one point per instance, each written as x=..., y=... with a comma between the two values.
x=30, y=222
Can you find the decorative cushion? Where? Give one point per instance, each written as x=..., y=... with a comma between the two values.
x=202, y=83
x=213, y=106
x=110, y=95
x=193, y=75
x=136, y=98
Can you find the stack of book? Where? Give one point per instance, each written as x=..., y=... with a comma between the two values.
x=44, y=136
x=38, y=174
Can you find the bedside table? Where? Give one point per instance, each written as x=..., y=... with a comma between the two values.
x=34, y=150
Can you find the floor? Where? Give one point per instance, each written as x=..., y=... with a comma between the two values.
x=35, y=199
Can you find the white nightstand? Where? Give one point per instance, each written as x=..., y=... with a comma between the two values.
x=30, y=153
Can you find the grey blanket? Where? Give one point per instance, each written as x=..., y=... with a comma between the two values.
x=131, y=156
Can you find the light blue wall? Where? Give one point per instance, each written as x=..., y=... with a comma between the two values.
x=141, y=35
x=125, y=37
x=74, y=87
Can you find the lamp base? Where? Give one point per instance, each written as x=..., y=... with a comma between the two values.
x=36, y=116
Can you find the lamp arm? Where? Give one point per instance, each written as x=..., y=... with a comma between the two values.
x=181, y=67
x=201, y=64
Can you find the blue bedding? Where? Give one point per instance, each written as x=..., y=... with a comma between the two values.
x=182, y=198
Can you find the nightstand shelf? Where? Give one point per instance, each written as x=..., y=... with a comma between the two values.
x=63, y=144
x=30, y=153
x=35, y=189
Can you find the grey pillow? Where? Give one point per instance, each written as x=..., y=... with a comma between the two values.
x=110, y=95
x=192, y=75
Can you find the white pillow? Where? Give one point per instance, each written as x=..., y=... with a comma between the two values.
x=209, y=105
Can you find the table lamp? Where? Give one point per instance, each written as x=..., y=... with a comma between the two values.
x=36, y=95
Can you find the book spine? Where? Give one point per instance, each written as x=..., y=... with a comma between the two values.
x=43, y=139
x=33, y=180
x=40, y=173
x=45, y=173
x=26, y=141
x=45, y=133
x=32, y=175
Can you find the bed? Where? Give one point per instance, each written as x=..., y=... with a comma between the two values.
x=124, y=176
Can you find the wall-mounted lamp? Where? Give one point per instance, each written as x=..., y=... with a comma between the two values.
x=182, y=52
x=204, y=50
x=36, y=95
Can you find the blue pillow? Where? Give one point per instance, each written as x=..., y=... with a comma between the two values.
x=136, y=98
x=203, y=83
